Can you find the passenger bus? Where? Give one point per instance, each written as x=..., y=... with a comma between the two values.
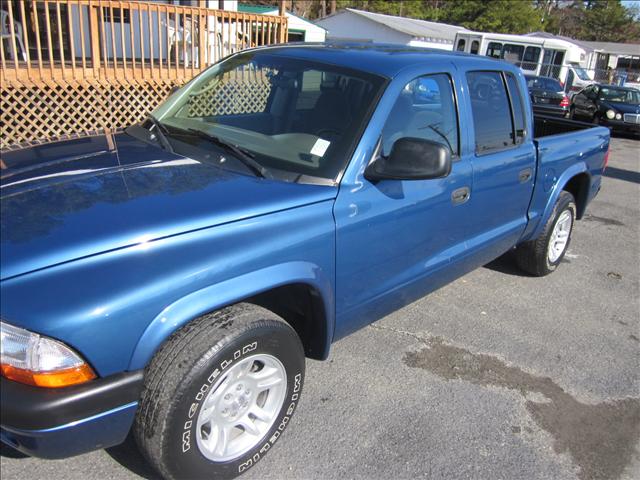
x=547, y=57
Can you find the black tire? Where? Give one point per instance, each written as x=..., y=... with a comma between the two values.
x=179, y=375
x=533, y=256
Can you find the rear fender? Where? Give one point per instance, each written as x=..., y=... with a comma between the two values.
x=227, y=293
x=556, y=189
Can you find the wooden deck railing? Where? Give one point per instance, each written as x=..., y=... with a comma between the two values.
x=88, y=64
x=78, y=39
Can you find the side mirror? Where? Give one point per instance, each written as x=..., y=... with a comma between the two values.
x=411, y=159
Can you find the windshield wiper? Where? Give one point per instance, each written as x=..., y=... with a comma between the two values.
x=245, y=157
x=160, y=133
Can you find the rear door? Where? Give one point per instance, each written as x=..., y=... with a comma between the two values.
x=504, y=161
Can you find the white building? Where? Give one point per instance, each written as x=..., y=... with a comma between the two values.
x=357, y=25
x=300, y=29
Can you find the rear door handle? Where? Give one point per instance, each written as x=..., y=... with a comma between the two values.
x=460, y=195
x=524, y=175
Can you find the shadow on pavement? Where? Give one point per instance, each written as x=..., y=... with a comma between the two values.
x=128, y=455
x=621, y=174
x=506, y=264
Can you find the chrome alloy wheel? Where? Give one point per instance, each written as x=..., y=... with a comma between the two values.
x=560, y=236
x=241, y=407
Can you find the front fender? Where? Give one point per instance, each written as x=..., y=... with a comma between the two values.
x=229, y=292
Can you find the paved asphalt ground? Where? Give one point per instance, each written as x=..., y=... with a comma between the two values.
x=496, y=376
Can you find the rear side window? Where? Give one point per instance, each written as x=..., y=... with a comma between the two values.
x=515, y=96
x=491, y=111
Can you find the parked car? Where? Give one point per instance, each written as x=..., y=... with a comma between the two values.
x=171, y=279
x=615, y=107
x=547, y=96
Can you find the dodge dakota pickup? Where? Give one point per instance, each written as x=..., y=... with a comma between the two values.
x=169, y=280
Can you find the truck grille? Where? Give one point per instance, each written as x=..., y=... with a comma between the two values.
x=632, y=118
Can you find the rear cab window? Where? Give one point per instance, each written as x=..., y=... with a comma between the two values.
x=498, y=111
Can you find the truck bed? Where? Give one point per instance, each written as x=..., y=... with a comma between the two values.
x=545, y=126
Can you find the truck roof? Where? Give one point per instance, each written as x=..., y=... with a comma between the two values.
x=378, y=58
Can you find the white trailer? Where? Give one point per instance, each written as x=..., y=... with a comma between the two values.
x=548, y=57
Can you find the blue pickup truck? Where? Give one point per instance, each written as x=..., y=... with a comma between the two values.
x=170, y=280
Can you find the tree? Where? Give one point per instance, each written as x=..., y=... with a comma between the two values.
x=599, y=20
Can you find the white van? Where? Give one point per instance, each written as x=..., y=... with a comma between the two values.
x=546, y=57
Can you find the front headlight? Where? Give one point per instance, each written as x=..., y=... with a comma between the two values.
x=27, y=357
x=611, y=114
x=618, y=116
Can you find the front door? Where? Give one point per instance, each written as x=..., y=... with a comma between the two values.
x=395, y=238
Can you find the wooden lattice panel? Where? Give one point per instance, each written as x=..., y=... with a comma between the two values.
x=237, y=92
x=37, y=112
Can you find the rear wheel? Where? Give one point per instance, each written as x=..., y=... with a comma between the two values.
x=542, y=256
x=219, y=393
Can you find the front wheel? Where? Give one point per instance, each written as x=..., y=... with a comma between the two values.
x=219, y=393
x=542, y=256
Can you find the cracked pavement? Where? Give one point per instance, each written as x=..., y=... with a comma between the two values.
x=497, y=375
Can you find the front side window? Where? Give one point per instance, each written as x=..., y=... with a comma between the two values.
x=491, y=111
x=425, y=109
x=299, y=119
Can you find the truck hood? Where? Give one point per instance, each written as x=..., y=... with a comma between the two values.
x=68, y=200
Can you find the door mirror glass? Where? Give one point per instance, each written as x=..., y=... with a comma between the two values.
x=411, y=159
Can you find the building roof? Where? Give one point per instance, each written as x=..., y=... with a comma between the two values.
x=630, y=49
x=419, y=29
x=584, y=45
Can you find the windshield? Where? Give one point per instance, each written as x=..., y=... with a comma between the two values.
x=296, y=118
x=621, y=95
x=581, y=73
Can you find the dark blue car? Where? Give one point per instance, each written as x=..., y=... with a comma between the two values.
x=171, y=279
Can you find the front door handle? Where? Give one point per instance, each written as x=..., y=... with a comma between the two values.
x=460, y=196
x=524, y=175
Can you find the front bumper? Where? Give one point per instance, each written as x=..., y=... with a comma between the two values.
x=59, y=423
x=620, y=126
